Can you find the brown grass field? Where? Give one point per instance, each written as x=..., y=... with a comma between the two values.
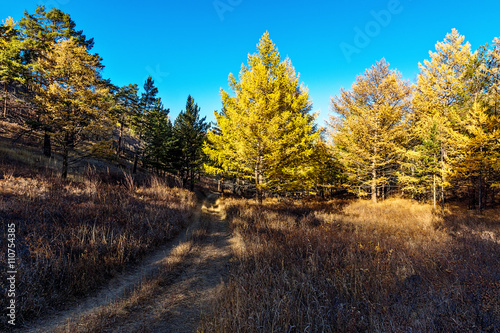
x=360, y=267
x=297, y=266
x=72, y=236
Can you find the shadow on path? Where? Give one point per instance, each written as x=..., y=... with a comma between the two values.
x=168, y=292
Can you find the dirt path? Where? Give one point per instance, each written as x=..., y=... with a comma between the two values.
x=168, y=292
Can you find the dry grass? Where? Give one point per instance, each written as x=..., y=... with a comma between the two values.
x=337, y=267
x=127, y=311
x=151, y=305
x=73, y=236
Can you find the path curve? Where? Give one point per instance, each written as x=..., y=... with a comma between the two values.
x=167, y=292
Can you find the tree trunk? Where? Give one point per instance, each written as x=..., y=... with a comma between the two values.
x=136, y=159
x=134, y=169
x=137, y=151
x=374, y=181
x=485, y=194
x=47, y=146
x=434, y=191
x=479, y=188
x=119, y=141
x=191, y=187
x=258, y=180
x=5, y=100
x=374, y=191
x=64, y=171
x=493, y=204
x=442, y=177
x=472, y=196
x=383, y=192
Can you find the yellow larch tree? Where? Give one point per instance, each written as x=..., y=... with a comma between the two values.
x=478, y=164
x=368, y=128
x=74, y=98
x=265, y=132
x=493, y=98
x=11, y=66
x=442, y=90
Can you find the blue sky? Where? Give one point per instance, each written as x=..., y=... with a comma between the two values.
x=191, y=46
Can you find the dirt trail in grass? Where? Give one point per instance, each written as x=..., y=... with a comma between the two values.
x=168, y=292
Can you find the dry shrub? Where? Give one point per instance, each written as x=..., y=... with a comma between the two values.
x=331, y=267
x=71, y=237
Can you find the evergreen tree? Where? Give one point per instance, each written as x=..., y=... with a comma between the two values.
x=147, y=103
x=44, y=28
x=190, y=131
x=443, y=87
x=11, y=67
x=40, y=31
x=264, y=131
x=477, y=144
x=328, y=169
x=420, y=172
x=73, y=98
x=493, y=101
x=369, y=128
x=493, y=74
x=157, y=137
x=477, y=132
x=126, y=104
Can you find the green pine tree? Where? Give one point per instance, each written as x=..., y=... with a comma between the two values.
x=126, y=104
x=157, y=135
x=147, y=103
x=44, y=27
x=190, y=132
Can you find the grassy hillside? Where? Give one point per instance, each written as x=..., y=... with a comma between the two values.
x=73, y=235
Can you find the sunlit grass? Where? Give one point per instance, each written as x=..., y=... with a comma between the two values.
x=337, y=267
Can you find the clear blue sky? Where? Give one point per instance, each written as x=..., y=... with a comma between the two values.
x=190, y=47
